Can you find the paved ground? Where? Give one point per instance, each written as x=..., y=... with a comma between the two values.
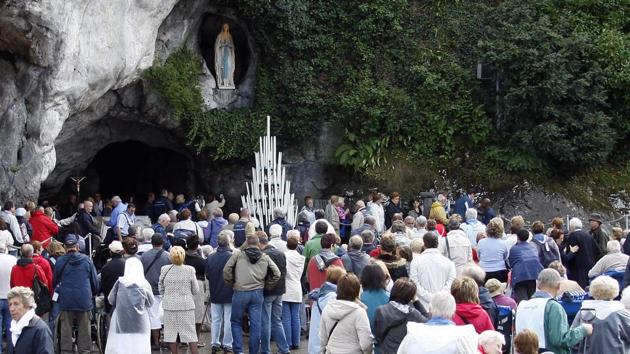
x=205, y=337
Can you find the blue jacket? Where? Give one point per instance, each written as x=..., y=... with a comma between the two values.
x=161, y=230
x=78, y=283
x=524, y=262
x=113, y=218
x=220, y=292
x=460, y=205
x=285, y=227
x=36, y=338
x=211, y=233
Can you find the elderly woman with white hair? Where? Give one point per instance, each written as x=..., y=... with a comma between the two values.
x=610, y=319
x=29, y=334
x=614, y=260
x=491, y=342
x=472, y=226
x=439, y=334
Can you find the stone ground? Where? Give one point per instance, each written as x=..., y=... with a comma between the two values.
x=205, y=337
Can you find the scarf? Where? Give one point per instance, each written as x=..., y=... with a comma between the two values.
x=18, y=326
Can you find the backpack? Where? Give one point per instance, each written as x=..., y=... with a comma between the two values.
x=547, y=251
x=183, y=234
x=239, y=233
x=42, y=294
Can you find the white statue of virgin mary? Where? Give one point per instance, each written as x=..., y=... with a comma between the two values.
x=224, y=59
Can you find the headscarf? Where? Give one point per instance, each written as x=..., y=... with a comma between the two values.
x=134, y=274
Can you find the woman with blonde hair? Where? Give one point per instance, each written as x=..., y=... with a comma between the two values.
x=467, y=310
x=178, y=287
x=438, y=213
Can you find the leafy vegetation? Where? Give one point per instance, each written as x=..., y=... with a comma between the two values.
x=397, y=78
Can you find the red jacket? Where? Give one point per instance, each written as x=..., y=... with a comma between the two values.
x=473, y=314
x=43, y=228
x=22, y=273
x=46, y=268
x=316, y=277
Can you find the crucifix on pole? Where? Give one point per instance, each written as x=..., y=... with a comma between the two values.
x=77, y=181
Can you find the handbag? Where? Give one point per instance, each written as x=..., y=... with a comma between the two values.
x=43, y=299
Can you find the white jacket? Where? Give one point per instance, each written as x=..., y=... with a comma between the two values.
x=351, y=335
x=432, y=272
x=295, y=265
x=377, y=211
x=427, y=339
x=460, y=249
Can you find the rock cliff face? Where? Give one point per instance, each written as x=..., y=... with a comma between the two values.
x=69, y=82
x=57, y=59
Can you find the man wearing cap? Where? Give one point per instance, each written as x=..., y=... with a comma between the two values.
x=497, y=293
x=113, y=269
x=75, y=283
x=600, y=236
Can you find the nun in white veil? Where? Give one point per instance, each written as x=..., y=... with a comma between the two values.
x=130, y=330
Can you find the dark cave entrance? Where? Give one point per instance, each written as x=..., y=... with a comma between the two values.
x=133, y=169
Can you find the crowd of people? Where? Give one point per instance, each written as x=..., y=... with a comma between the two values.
x=370, y=278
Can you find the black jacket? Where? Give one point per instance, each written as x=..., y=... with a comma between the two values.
x=579, y=263
x=390, y=210
x=281, y=261
x=112, y=270
x=36, y=338
x=396, y=266
x=220, y=292
x=86, y=223
x=390, y=326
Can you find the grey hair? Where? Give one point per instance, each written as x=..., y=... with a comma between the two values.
x=491, y=337
x=410, y=219
x=453, y=224
x=613, y=246
x=275, y=230
x=421, y=221
x=475, y=272
x=26, y=295
x=116, y=199
x=278, y=213
x=206, y=250
x=367, y=236
x=575, y=224
x=442, y=305
x=164, y=217
x=471, y=214
x=224, y=238
x=370, y=220
x=147, y=233
x=27, y=250
x=294, y=233
x=355, y=243
x=217, y=212
x=548, y=278
x=416, y=245
x=398, y=226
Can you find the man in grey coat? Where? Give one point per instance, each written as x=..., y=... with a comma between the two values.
x=355, y=260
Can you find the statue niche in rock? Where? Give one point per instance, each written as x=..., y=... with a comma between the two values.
x=224, y=59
